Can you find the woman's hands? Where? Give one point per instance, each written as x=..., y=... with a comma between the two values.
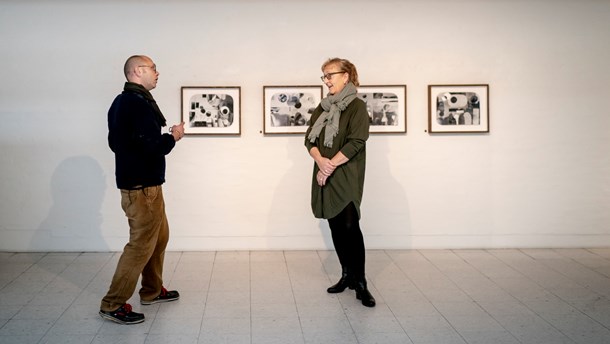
x=321, y=178
x=326, y=166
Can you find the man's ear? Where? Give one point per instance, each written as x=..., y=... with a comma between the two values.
x=137, y=71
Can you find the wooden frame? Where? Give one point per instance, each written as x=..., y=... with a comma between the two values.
x=458, y=108
x=287, y=109
x=211, y=110
x=387, y=107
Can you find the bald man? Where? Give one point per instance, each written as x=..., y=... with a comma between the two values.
x=139, y=146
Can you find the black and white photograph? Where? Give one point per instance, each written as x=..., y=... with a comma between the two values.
x=387, y=107
x=458, y=108
x=211, y=110
x=287, y=109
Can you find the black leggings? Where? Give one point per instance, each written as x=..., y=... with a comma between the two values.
x=348, y=240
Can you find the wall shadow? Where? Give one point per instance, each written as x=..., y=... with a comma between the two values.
x=296, y=182
x=385, y=206
x=74, y=220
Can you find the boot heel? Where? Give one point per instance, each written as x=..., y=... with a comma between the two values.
x=339, y=287
x=363, y=294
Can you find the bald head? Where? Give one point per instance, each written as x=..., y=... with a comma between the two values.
x=132, y=63
x=141, y=69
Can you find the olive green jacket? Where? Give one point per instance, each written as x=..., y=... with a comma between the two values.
x=346, y=184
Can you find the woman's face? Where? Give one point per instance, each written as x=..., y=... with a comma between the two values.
x=334, y=78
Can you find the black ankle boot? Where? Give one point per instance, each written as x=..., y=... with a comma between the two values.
x=345, y=282
x=362, y=293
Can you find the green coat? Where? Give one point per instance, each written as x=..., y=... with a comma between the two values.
x=346, y=184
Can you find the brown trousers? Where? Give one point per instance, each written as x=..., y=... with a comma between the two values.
x=145, y=251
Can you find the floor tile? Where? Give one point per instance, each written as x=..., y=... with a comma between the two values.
x=504, y=296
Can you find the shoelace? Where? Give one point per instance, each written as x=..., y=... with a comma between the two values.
x=163, y=291
x=127, y=308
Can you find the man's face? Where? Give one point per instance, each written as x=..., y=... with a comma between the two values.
x=149, y=74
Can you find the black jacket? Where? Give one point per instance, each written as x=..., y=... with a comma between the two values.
x=134, y=135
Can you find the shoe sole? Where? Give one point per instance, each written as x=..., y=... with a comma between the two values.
x=118, y=321
x=359, y=297
x=337, y=291
x=148, y=303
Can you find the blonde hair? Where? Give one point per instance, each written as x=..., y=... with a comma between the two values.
x=345, y=66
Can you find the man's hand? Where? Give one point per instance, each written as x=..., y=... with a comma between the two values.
x=177, y=131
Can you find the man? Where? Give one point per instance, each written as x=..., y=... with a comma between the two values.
x=134, y=135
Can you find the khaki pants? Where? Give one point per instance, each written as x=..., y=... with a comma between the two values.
x=144, y=253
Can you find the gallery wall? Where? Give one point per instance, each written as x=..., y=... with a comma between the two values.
x=539, y=178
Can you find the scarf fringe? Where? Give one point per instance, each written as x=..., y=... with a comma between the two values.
x=332, y=105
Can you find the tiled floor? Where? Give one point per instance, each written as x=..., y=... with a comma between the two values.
x=423, y=296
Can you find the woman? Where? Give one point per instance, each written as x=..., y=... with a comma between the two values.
x=336, y=140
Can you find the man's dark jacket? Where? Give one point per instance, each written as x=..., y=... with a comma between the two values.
x=134, y=135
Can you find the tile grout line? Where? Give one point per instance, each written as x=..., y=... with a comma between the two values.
x=431, y=303
x=574, y=281
x=523, y=303
x=76, y=298
x=294, y=299
x=390, y=308
x=338, y=298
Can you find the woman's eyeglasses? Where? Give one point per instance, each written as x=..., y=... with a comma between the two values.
x=327, y=76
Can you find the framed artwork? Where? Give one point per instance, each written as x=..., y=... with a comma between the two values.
x=211, y=110
x=287, y=109
x=458, y=108
x=387, y=107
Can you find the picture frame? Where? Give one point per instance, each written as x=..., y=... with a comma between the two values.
x=211, y=110
x=458, y=108
x=287, y=109
x=387, y=107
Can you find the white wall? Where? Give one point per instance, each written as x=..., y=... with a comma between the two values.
x=541, y=177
